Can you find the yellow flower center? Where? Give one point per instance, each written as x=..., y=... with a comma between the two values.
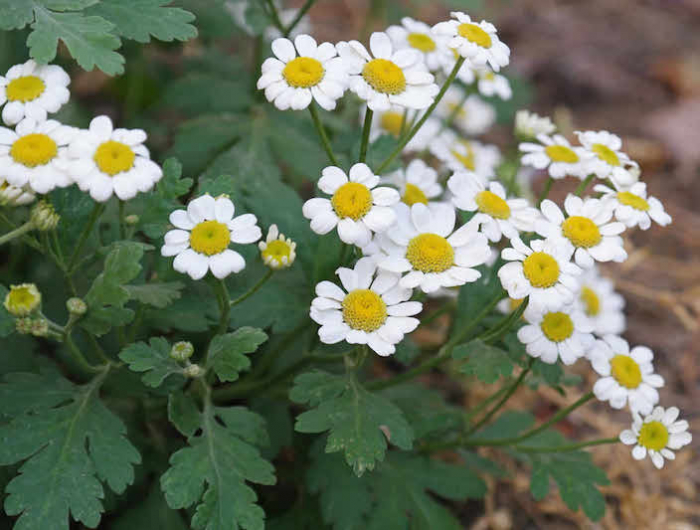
x=210, y=237
x=475, y=34
x=22, y=299
x=421, y=41
x=541, y=270
x=413, y=195
x=561, y=153
x=557, y=326
x=581, y=231
x=491, y=204
x=364, y=309
x=430, y=253
x=384, y=76
x=457, y=110
x=590, y=301
x=34, y=150
x=114, y=157
x=466, y=159
x=25, y=88
x=489, y=76
x=276, y=250
x=606, y=154
x=303, y=72
x=653, y=435
x=391, y=122
x=352, y=200
x=626, y=371
x=635, y=201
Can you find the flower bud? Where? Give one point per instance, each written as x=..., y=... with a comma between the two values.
x=23, y=326
x=131, y=219
x=39, y=327
x=193, y=371
x=181, y=351
x=76, y=306
x=43, y=216
x=23, y=299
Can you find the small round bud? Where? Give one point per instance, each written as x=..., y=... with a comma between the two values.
x=43, y=216
x=193, y=370
x=181, y=351
x=23, y=299
x=40, y=327
x=76, y=306
x=131, y=219
x=23, y=326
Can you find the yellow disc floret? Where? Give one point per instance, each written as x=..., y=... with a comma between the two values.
x=352, y=200
x=626, y=371
x=475, y=34
x=34, y=150
x=541, y=270
x=210, y=237
x=635, y=201
x=384, y=76
x=25, y=88
x=303, y=72
x=557, y=326
x=606, y=154
x=421, y=41
x=491, y=204
x=430, y=253
x=391, y=122
x=114, y=157
x=364, y=310
x=22, y=299
x=414, y=195
x=591, y=301
x=581, y=231
x=561, y=153
x=653, y=435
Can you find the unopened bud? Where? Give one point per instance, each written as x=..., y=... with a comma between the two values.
x=76, y=306
x=193, y=370
x=131, y=219
x=23, y=299
x=23, y=326
x=181, y=351
x=40, y=327
x=43, y=216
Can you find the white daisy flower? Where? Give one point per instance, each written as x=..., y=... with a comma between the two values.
x=390, y=77
x=391, y=121
x=448, y=58
x=543, y=271
x=203, y=234
x=106, y=161
x=556, y=154
x=14, y=195
x=492, y=84
x=277, y=251
x=31, y=90
x=627, y=375
x=550, y=335
x=529, y=125
x=418, y=183
x=34, y=155
x=658, y=434
x=372, y=310
x=425, y=246
x=357, y=207
x=608, y=161
x=472, y=116
x=496, y=215
x=604, y=307
x=477, y=42
x=459, y=154
x=632, y=206
x=587, y=226
x=292, y=81
x=418, y=36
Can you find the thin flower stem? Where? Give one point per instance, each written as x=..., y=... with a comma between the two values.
x=545, y=190
x=94, y=216
x=122, y=222
x=497, y=331
x=78, y=356
x=455, y=112
x=224, y=305
x=404, y=123
x=304, y=9
x=252, y=290
x=17, y=232
x=584, y=184
x=272, y=11
x=322, y=134
x=567, y=447
x=423, y=118
x=365, y=134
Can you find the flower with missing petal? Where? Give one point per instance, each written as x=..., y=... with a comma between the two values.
x=632, y=206
x=277, y=251
x=658, y=435
x=22, y=300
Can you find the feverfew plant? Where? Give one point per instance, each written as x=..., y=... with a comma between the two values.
x=212, y=273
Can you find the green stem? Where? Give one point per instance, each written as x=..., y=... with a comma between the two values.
x=322, y=134
x=78, y=356
x=453, y=114
x=224, y=306
x=545, y=190
x=252, y=290
x=122, y=222
x=567, y=447
x=272, y=11
x=423, y=118
x=17, y=232
x=269, y=357
x=94, y=216
x=497, y=331
x=404, y=123
x=584, y=184
x=365, y=134
x=304, y=9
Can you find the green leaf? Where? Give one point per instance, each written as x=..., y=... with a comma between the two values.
x=486, y=362
x=153, y=358
x=88, y=39
x=183, y=413
x=359, y=423
x=213, y=470
x=66, y=5
x=71, y=443
x=474, y=296
x=7, y=321
x=227, y=353
x=215, y=94
x=507, y=425
x=158, y=295
x=142, y=19
x=14, y=14
x=151, y=512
